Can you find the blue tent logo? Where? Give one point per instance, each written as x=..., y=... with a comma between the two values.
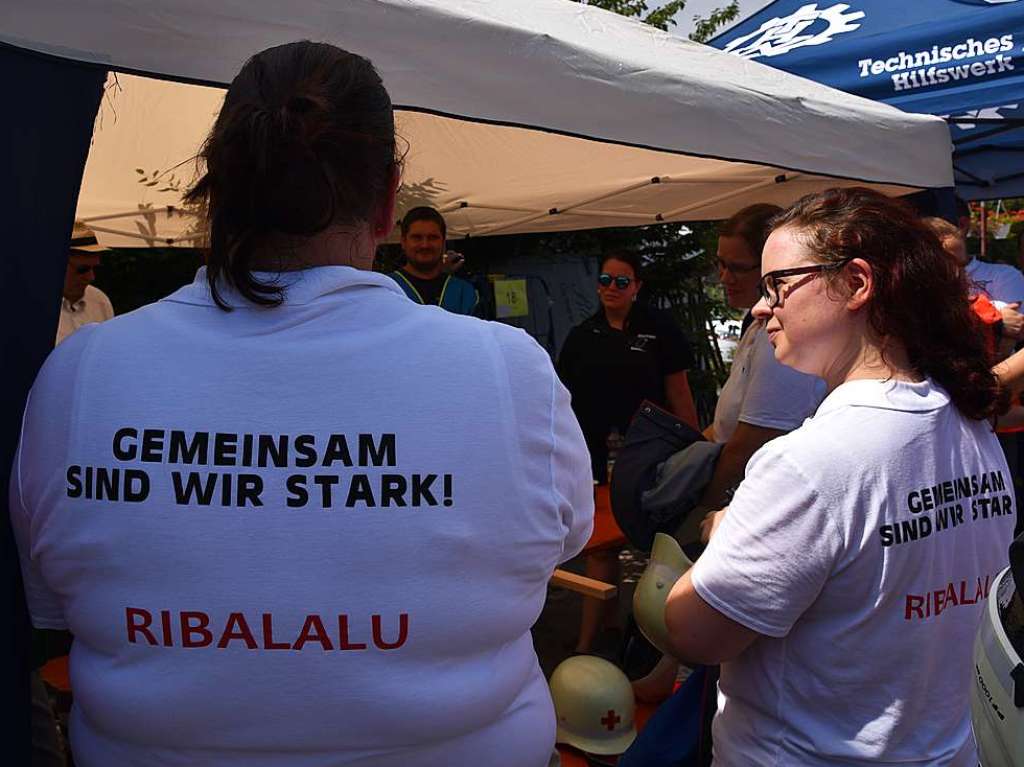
x=963, y=120
x=808, y=25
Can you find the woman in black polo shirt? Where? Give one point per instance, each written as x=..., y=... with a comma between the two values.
x=610, y=363
x=626, y=353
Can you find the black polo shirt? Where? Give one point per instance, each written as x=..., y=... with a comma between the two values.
x=610, y=372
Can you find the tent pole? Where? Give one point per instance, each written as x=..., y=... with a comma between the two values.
x=147, y=238
x=778, y=179
x=626, y=216
x=168, y=209
x=455, y=207
x=556, y=210
x=729, y=195
x=984, y=231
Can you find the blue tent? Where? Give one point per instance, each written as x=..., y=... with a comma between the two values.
x=960, y=59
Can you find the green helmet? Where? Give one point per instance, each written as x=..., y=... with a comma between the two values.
x=666, y=566
x=593, y=705
x=997, y=695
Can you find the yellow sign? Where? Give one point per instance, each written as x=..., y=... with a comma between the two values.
x=510, y=298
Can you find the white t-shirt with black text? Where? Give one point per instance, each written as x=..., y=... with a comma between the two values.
x=862, y=546
x=761, y=391
x=307, y=535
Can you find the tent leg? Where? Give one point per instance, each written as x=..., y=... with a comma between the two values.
x=984, y=230
x=46, y=132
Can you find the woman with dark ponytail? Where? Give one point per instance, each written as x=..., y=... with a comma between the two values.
x=276, y=541
x=842, y=588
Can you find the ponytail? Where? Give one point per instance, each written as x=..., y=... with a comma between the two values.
x=305, y=140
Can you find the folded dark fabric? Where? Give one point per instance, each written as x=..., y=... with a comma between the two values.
x=679, y=734
x=654, y=484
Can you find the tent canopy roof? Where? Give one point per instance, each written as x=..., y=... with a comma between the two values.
x=958, y=59
x=524, y=115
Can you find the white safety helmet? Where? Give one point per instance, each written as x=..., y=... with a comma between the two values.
x=666, y=566
x=594, y=705
x=997, y=695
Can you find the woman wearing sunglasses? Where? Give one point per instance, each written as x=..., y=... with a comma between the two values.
x=610, y=363
x=842, y=587
x=625, y=353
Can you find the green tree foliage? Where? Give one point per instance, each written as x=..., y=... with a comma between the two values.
x=664, y=14
x=705, y=29
x=134, y=277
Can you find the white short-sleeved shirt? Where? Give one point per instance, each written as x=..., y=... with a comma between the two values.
x=862, y=546
x=1000, y=282
x=761, y=391
x=93, y=306
x=410, y=478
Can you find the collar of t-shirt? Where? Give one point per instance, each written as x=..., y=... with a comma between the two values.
x=906, y=396
x=74, y=307
x=302, y=286
x=638, y=318
x=429, y=288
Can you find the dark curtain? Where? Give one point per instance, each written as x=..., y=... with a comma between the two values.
x=48, y=114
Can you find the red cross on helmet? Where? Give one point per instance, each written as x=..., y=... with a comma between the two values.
x=593, y=705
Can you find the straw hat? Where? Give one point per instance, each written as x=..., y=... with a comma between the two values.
x=83, y=240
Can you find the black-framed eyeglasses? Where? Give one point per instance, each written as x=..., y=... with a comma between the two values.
x=770, y=284
x=621, y=282
x=724, y=266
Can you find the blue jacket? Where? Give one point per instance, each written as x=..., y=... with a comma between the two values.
x=457, y=296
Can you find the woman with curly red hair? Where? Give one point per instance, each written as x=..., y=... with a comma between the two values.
x=842, y=588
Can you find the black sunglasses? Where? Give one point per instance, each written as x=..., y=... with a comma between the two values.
x=621, y=282
x=83, y=269
x=770, y=285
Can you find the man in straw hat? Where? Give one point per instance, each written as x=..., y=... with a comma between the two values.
x=82, y=303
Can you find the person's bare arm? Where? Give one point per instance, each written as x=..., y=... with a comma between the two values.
x=697, y=632
x=658, y=684
x=680, y=398
x=1013, y=321
x=1010, y=372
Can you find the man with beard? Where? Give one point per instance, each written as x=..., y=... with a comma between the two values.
x=423, y=278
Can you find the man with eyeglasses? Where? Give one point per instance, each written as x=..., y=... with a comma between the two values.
x=82, y=303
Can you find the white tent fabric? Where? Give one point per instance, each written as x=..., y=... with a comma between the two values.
x=521, y=115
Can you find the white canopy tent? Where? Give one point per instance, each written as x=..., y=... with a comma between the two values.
x=520, y=115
